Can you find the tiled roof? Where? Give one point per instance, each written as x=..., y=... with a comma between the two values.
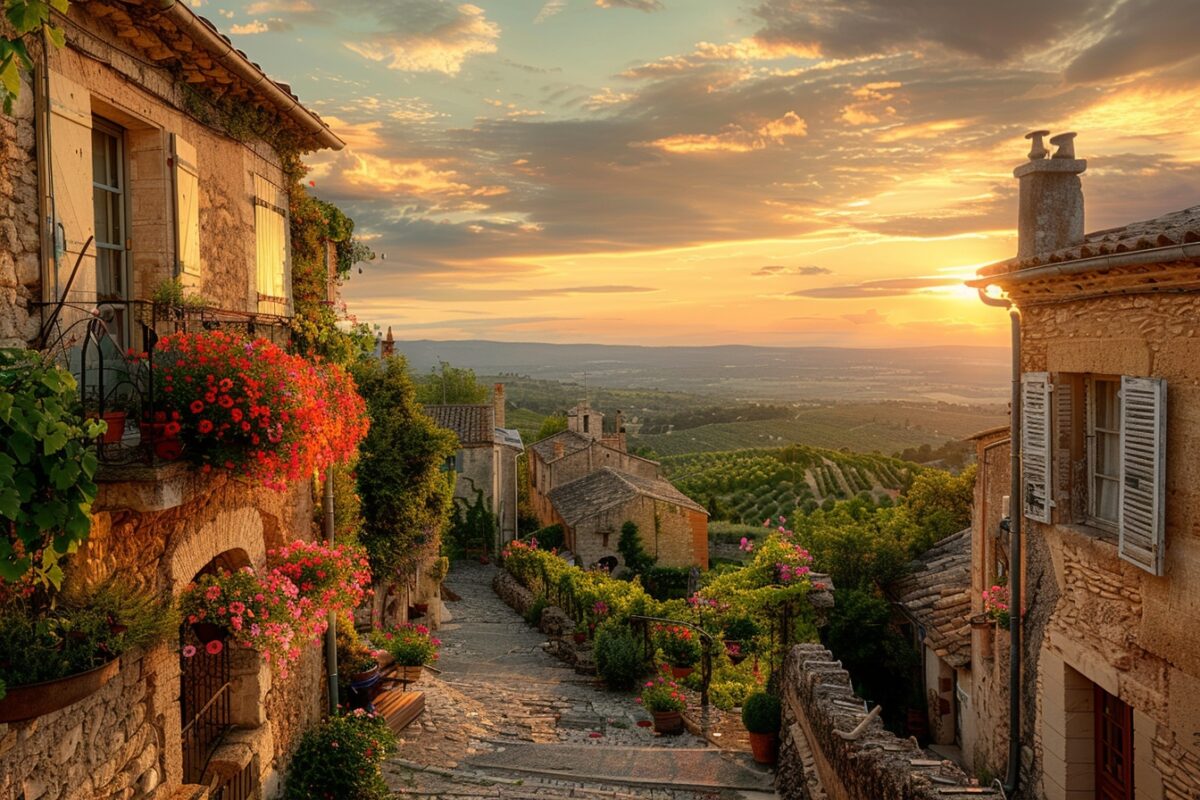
x=474, y=424
x=1178, y=227
x=572, y=443
x=607, y=488
x=937, y=594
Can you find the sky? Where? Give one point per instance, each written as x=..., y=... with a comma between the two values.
x=770, y=172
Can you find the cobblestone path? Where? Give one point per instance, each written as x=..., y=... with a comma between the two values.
x=504, y=719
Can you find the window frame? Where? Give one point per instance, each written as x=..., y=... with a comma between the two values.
x=120, y=327
x=1091, y=439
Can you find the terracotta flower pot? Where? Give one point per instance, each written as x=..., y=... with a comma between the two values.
x=38, y=699
x=209, y=632
x=679, y=673
x=765, y=747
x=669, y=723
x=116, y=426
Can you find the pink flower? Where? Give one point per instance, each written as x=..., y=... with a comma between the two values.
x=214, y=647
x=189, y=650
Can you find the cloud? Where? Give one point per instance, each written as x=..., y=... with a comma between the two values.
x=1139, y=35
x=550, y=8
x=639, y=5
x=779, y=270
x=249, y=28
x=735, y=138
x=869, y=317
x=425, y=35
x=993, y=31
x=888, y=287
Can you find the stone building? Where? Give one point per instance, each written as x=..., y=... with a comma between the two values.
x=934, y=601
x=486, y=462
x=585, y=478
x=1108, y=507
x=129, y=160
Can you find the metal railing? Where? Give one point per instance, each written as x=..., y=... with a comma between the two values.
x=242, y=785
x=205, y=703
x=707, y=643
x=110, y=348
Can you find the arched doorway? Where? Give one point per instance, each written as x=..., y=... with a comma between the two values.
x=205, y=687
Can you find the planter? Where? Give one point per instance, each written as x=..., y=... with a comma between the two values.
x=668, y=722
x=679, y=673
x=733, y=650
x=209, y=632
x=38, y=699
x=365, y=679
x=579, y=636
x=166, y=447
x=410, y=674
x=116, y=427
x=765, y=747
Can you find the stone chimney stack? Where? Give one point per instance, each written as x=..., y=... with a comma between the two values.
x=389, y=344
x=1050, y=215
x=498, y=403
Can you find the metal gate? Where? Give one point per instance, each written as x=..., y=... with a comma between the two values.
x=204, y=698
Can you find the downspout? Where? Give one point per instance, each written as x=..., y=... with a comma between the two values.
x=331, y=665
x=1016, y=512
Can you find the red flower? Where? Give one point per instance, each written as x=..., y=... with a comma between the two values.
x=205, y=426
x=196, y=406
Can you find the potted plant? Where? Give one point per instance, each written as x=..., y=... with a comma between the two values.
x=358, y=666
x=680, y=649
x=333, y=577
x=761, y=714
x=53, y=657
x=739, y=636
x=580, y=634
x=665, y=701
x=410, y=646
x=160, y=432
x=996, y=605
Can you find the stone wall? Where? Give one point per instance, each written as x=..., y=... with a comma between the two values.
x=817, y=757
x=676, y=536
x=20, y=271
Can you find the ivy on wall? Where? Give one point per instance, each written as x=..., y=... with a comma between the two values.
x=24, y=17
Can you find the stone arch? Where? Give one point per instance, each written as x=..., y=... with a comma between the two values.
x=233, y=534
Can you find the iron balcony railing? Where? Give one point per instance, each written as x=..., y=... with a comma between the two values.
x=110, y=348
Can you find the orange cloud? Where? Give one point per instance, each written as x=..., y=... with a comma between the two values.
x=736, y=138
x=441, y=48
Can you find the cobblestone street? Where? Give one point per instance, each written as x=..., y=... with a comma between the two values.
x=506, y=719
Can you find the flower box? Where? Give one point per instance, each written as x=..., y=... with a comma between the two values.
x=38, y=699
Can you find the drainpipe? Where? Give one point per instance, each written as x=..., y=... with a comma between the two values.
x=1016, y=511
x=331, y=667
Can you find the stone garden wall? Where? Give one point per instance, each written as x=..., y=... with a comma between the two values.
x=818, y=759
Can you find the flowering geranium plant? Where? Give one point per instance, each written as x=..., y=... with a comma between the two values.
x=249, y=407
x=662, y=694
x=678, y=644
x=334, y=577
x=995, y=604
x=263, y=612
x=410, y=645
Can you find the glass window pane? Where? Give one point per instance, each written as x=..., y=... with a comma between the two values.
x=1107, y=498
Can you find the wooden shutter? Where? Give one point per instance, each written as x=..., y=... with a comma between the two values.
x=271, y=235
x=187, y=206
x=1035, y=445
x=1143, y=472
x=71, y=172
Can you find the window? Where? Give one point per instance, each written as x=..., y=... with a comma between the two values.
x=1104, y=451
x=270, y=233
x=1114, y=747
x=108, y=204
x=1093, y=449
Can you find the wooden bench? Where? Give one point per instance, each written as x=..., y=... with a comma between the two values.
x=393, y=702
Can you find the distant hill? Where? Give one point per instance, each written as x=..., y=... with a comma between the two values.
x=958, y=374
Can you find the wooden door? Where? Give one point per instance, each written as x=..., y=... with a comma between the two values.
x=1114, y=747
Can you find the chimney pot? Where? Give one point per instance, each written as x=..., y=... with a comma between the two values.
x=1050, y=215
x=498, y=404
x=559, y=449
x=1065, y=144
x=1037, y=150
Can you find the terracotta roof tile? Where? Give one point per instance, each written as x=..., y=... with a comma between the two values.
x=474, y=424
x=607, y=488
x=937, y=594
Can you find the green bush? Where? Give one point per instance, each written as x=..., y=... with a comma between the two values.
x=550, y=537
x=534, y=614
x=619, y=659
x=340, y=758
x=761, y=713
x=666, y=583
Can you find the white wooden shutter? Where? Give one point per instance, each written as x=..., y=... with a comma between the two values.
x=1035, y=445
x=1143, y=472
x=187, y=206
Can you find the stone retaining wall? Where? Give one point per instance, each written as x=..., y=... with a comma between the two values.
x=819, y=705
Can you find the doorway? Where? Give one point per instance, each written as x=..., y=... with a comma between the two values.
x=1114, y=747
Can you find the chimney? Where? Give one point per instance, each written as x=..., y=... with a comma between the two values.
x=559, y=449
x=389, y=344
x=1050, y=216
x=498, y=403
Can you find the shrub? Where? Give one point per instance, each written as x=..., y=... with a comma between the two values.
x=761, y=713
x=742, y=629
x=662, y=694
x=340, y=758
x=678, y=644
x=411, y=645
x=87, y=628
x=550, y=537
x=534, y=614
x=618, y=657
x=637, y=560
x=667, y=583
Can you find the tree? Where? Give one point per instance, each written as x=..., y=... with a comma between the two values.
x=405, y=492
x=555, y=423
x=25, y=17
x=940, y=503
x=447, y=384
x=637, y=560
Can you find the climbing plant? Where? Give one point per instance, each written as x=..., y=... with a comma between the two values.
x=24, y=17
x=47, y=464
x=472, y=524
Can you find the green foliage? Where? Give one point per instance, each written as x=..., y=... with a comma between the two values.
x=666, y=583
x=347, y=505
x=172, y=294
x=680, y=646
x=47, y=465
x=940, y=503
x=550, y=537
x=619, y=658
x=405, y=494
x=533, y=614
x=761, y=713
x=340, y=758
x=636, y=559
x=555, y=423
x=472, y=524
x=454, y=385
x=695, y=418
x=741, y=628
x=87, y=627
x=411, y=645
x=25, y=17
